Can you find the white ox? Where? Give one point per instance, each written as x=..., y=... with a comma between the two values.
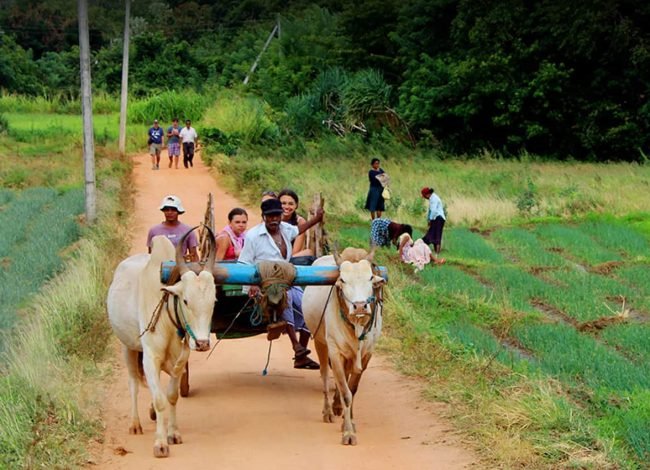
x=346, y=321
x=183, y=322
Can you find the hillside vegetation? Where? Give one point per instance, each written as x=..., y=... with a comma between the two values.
x=557, y=78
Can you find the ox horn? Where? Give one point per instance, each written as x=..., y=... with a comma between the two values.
x=335, y=252
x=209, y=264
x=180, y=259
x=371, y=255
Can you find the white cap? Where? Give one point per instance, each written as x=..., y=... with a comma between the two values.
x=172, y=201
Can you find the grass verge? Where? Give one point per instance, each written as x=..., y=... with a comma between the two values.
x=50, y=365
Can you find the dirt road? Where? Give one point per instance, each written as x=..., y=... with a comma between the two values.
x=235, y=418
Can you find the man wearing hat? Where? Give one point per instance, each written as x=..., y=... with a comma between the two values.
x=173, y=229
x=436, y=219
x=271, y=241
x=155, y=144
x=189, y=137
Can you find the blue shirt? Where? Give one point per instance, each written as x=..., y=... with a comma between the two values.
x=435, y=208
x=156, y=135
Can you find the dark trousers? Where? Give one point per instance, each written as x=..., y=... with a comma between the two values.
x=188, y=154
x=434, y=234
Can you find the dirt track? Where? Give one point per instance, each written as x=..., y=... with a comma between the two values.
x=235, y=418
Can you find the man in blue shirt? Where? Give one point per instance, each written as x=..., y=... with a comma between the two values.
x=436, y=218
x=155, y=142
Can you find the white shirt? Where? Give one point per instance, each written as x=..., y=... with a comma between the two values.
x=435, y=207
x=259, y=245
x=188, y=135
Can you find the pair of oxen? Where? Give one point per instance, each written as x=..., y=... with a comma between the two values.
x=159, y=324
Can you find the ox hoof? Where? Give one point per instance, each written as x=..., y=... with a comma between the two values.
x=328, y=418
x=174, y=439
x=152, y=413
x=349, y=439
x=161, y=450
x=135, y=429
x=338, y=410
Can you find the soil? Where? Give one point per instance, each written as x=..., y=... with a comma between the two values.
x=236, y=418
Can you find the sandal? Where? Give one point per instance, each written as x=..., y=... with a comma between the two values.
x=441, y=261
x=301, y=352
x=307, y=364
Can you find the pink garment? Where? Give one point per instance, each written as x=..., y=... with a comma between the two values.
x=237, y=241
x=418, y=254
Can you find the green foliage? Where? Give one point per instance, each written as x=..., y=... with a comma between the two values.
x=241, y=118
x=527, y=202
x=165, y=106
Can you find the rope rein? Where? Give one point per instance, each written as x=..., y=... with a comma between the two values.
x=156, y=314
x=229, y=327
x=322, y=315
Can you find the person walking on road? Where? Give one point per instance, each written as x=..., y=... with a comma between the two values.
x=174, y=142
x=155, y=144
x=436, y=219
x=189, y=138
x=173, y=229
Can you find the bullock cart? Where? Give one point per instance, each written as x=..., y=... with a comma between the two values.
x=235, y=314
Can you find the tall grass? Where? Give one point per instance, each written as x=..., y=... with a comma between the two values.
x=184, y=104
x=246, y=117
x=103, y=103
x=482, y=191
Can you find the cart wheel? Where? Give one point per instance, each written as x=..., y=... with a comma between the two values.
x=185, y=381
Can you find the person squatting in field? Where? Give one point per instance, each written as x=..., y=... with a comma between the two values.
x=173, y=229
x=383, y=232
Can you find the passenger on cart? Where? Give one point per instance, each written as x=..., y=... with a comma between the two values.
x=174, y=229
x=230, y=240
x=271, y=241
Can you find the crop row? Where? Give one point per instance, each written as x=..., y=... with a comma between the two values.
x=35, y=226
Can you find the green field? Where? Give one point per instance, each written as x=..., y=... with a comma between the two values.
x=542, y=320
x=53, y=329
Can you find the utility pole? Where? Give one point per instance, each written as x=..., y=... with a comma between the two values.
x=125, y=79
x=276, y=29
x=87, y=112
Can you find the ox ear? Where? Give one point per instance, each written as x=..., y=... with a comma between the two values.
x=377, y=281
x=176, y=289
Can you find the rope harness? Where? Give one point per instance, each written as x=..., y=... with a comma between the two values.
x=180, y=322
x=276, y=277
x=374, y=300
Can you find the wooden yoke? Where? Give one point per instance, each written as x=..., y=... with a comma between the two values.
x=247, y=274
